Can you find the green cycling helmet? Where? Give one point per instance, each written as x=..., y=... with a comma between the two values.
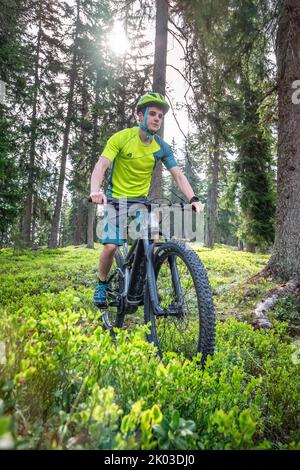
x=152, y=99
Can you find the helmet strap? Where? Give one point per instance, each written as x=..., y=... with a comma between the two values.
x=144, y=126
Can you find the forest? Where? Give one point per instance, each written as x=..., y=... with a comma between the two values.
x=71, y=75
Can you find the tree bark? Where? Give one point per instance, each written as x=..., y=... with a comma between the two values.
x=34, y=217
x=285, y=260
x=240, y=245
x=159, y=79
x=80, y=219
x=95, y=156
x=90, y=227
x=27, y=217
x=57, y=211
x=79, y=236
x=250, y=247
x=212, y=198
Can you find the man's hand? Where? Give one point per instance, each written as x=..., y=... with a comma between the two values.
x=198, y=206
x=98, y=198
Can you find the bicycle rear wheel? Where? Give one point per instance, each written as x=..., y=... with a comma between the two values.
x=113, y=314
x=188, y=325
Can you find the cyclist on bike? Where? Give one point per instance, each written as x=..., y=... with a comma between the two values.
x=133, y=154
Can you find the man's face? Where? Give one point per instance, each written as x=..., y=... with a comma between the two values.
x=155, y=117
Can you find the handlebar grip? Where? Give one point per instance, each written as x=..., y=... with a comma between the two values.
x=90, y=199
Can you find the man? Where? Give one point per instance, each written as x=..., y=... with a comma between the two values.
x=133, y=154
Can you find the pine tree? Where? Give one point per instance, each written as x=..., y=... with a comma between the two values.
x=10, y=194
x=14, y=60
x=253, y=169
x=44, y=49
x=228, y=40
x=53, y=240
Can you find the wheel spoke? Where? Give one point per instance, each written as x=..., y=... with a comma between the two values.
x=180, y=332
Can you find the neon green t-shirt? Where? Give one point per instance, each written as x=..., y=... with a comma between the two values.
x=134, y=162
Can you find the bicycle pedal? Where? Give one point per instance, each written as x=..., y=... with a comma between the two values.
x=100, y=307
x=114, y=304
x=168, y=312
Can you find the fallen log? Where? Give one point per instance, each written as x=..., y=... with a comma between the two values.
x=260, y=313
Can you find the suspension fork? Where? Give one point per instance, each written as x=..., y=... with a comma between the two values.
x=151, y=279
x=125, y=274
x=175, y=277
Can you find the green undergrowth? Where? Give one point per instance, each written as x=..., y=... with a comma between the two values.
x=67, y=384
x=228, y=272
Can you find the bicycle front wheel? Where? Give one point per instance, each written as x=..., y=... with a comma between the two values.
x=188, y=324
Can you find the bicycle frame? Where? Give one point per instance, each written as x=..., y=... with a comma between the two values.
x=145, y=248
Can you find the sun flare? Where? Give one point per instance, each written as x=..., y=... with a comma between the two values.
x=117, y=39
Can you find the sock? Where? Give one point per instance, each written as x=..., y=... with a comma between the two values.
x=101, y=282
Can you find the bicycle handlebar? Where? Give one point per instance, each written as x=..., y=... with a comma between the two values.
x=132, y=201
x=149, y=204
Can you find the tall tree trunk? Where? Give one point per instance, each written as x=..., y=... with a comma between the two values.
x=251, y=247
x=79, y=237
x=27, y=217
x=159, y=79
x=122, y=87
x=240, y=245
x=57, y=211
x=81, y=216
x=285, y=260
x=212, y=197
x=95, y=156
x=90, y=226
x=34, y=216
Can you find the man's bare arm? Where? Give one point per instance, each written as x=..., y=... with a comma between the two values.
x=184, y=185
x=98, y=197
x=182, y=182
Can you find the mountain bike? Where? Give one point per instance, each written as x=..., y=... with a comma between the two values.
x=169, y=280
